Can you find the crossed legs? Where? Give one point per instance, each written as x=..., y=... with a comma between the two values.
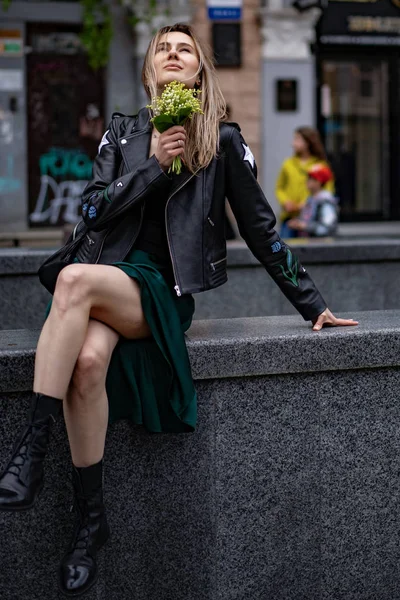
x=93, y=305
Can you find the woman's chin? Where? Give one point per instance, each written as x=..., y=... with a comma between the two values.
x=173, y=75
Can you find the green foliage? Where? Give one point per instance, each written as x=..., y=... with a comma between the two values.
x=97, y=32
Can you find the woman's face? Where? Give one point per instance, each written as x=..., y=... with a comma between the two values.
x=299, y=144
x=176, y=60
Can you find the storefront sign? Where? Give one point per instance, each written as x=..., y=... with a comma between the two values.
x=221, y=10
x=364, y=22
x=11, y=42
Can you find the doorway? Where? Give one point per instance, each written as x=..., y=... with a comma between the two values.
x=355, y=98
x=65, y=124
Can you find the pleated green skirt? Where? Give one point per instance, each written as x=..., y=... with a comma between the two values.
x=149, y=381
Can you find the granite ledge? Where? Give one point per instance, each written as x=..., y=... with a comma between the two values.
x=248, y=347
x=22, y=261
x=314, y=251
x=18, y=261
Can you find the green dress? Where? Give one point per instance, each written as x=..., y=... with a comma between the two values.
x=149, y=380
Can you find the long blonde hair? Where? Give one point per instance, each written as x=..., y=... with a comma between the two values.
x=203, y=129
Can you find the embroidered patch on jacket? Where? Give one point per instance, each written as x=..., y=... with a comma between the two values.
x=248, y=155
x=276, y=247
x=92, y=212
x=104, y=141
x=292, y=268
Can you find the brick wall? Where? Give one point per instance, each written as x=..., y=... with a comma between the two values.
x=241, y=86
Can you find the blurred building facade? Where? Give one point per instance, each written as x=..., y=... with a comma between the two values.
x=338, y=70
x=279, y=69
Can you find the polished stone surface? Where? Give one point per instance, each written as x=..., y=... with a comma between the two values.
x=360, y=485
x=21, y=260
x=248, y=347
x=288, y=490
x=352, y=275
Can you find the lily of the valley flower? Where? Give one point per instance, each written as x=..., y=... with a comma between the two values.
x=176, y=104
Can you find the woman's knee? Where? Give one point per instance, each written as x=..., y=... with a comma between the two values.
x=72, y=287
x=90, y=370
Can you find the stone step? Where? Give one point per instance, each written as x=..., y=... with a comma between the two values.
x=32, y=238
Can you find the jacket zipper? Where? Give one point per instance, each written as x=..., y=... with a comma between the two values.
x=74, y=231
x=217, y=263
x=176, y=287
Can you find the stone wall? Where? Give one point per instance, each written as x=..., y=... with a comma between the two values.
x=356, y=275
x=288, y=490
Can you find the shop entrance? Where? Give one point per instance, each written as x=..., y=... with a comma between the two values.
x=358, y=96
x=65, y=124
x=358, y=58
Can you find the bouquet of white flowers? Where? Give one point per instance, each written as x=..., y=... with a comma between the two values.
x=176, y=104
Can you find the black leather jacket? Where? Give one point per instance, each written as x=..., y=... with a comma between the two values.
x=124, y=178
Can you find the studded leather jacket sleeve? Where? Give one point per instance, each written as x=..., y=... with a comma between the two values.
x=256, y=222
x=107, y=196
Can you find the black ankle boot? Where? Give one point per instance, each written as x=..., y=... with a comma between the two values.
x=22, y=479
x=78, y=569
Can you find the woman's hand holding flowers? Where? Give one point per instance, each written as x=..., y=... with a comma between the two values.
x=171, y=144
x=175, y=105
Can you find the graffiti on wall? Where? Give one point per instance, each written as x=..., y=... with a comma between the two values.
x=9, y=182
x=63, y=177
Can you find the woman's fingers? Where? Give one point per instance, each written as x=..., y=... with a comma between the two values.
x=171, y=135
x=175, y=144
x=174, y=129
x=172, y=139
x=346, y=322
x=171, y=144
x=327, y=319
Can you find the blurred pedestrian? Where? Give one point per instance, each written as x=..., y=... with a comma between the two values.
x=319, y=216
x=291, y=185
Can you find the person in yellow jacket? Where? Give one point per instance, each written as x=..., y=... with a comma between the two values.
x=291, y=186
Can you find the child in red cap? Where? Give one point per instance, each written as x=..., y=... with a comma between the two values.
x=319, y=217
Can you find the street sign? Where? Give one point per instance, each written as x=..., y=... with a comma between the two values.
x=221, y=10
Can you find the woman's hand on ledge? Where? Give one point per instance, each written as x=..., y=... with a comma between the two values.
x=327, y=319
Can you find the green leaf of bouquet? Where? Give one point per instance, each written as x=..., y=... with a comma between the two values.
x=163, y=122
x=184, y=113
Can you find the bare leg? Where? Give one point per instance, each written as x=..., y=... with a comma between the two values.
x=92, y=306
x=103, y=292
x=86, y=406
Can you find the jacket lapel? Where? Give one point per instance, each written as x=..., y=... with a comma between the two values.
x=179, y=181
x=136, y=145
